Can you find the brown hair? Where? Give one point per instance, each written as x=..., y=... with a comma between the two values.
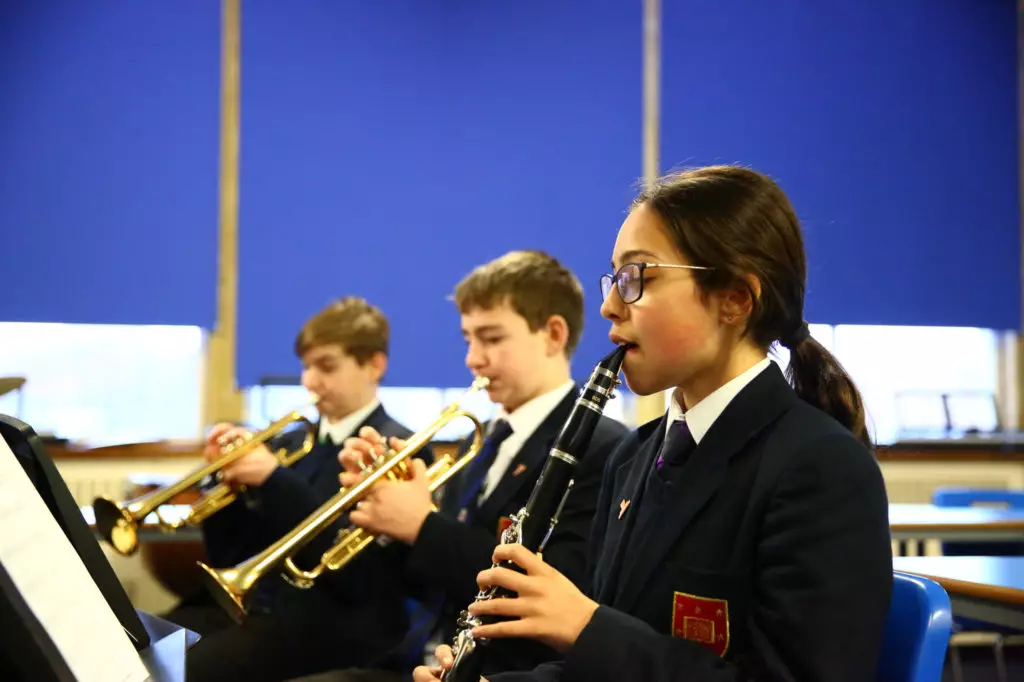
x=740, y=222
x=359, y=328
x=536, y=286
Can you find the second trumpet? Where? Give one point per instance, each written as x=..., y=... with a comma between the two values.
x=232, y=586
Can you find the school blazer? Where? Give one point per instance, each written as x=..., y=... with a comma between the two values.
x=773, y=560
x=362, y=603
x=447, y=554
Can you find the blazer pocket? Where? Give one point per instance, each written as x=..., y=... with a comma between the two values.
x=699, y=605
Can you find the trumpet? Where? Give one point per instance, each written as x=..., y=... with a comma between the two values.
x=231, y=587
x=118, y=522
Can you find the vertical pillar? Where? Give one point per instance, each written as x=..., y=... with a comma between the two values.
x=652, y=406
x=223, y=401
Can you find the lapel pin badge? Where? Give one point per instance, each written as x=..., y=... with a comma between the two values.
x=623, y=506
x=519, y=469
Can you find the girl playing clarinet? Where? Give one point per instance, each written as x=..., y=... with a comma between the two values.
x=743, y=536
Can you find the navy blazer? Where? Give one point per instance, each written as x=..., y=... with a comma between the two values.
x=448, y=555
x=771, y=561
x=360, y=604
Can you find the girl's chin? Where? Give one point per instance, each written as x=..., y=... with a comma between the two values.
x=639, y=379
x=637, y=383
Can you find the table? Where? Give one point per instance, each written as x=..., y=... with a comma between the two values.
x=955, y=523
x=912, y=523
x=980, y=587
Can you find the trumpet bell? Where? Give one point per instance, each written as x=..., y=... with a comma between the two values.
x=116, y=525
x=222, y=584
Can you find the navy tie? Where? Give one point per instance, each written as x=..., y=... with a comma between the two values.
x=677, y=447
x=481, y=464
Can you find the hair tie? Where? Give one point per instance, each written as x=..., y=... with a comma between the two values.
x=798, y=336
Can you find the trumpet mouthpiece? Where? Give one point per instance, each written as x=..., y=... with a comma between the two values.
x=479, y=384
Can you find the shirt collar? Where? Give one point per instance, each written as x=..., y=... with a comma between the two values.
x=701, y=416
x=338, y=431
x=525, y=419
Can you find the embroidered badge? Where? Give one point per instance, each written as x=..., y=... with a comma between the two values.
x=503, y=523
x=519, y=469
x=623, y=506
x=702, y=620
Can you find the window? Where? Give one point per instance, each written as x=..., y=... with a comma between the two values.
x=107, y=384
x=898, y=368
x=104, y=384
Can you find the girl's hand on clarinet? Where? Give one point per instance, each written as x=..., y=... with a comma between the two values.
x=548, y=608
x=445, y=657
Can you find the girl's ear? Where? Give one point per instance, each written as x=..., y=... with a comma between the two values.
x=737, y=302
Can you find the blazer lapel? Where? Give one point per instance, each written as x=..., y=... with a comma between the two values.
x=310, y=465
x=525, y=466
x=619, y=528
x=378, y=419
x=760, y=403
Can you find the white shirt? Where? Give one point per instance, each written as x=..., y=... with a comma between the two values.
x=524, y=421
x=701, y=416
x=338, y=431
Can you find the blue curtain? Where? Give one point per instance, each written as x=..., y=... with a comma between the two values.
x=109, y=117
x=391, y=147
x=387, y=150
x=892, y=126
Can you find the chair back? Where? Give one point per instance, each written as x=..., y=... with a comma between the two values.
x=916, y=631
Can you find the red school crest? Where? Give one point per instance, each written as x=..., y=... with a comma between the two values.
x=702, y=620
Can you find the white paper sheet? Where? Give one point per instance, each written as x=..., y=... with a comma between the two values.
x=57, y=587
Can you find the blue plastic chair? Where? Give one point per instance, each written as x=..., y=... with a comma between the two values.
x=916, y=632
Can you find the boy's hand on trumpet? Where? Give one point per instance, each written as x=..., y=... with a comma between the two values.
x=396, y=509
x=252, y=469
x=359, y=452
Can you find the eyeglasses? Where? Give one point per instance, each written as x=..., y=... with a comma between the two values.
x=629, y=279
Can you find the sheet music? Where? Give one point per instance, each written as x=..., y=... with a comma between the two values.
x=55, y=584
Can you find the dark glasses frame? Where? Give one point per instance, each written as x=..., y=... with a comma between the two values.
x=614, y=280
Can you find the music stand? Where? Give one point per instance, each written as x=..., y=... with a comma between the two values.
x=25, y=647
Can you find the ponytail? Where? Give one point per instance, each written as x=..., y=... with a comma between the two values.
x=819, y=379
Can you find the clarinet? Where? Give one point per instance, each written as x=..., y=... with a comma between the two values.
x=533, y=525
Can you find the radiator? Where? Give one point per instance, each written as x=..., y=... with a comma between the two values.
x=88, y=479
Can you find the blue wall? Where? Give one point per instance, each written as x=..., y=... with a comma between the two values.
x=385, y=152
